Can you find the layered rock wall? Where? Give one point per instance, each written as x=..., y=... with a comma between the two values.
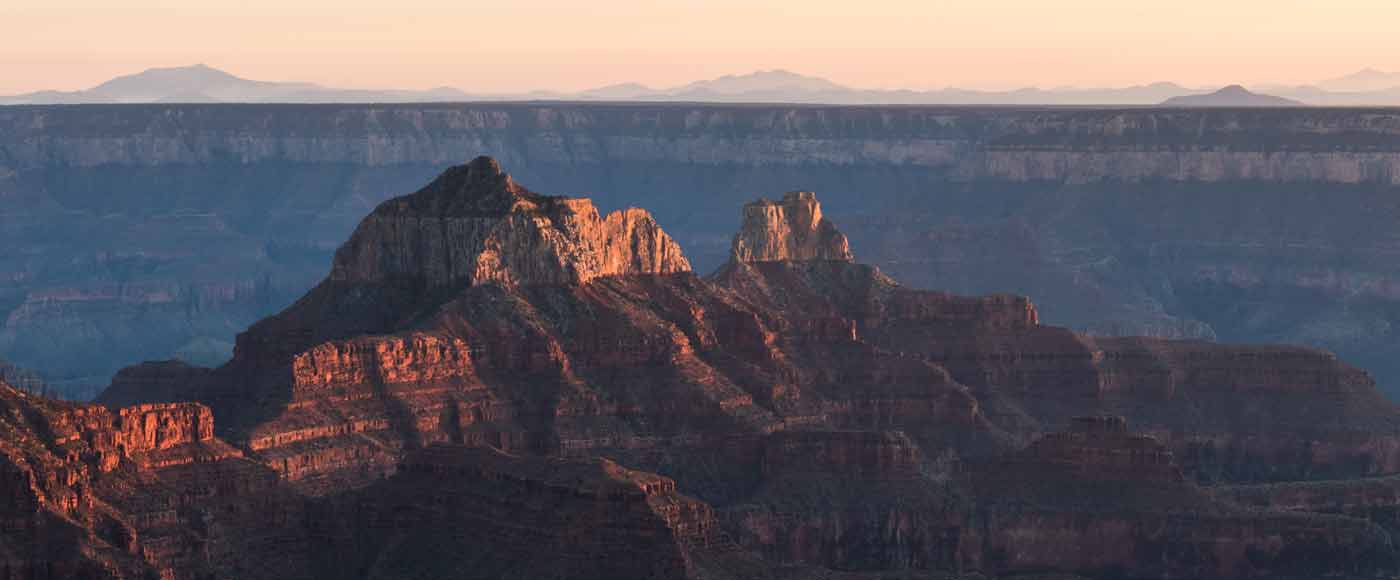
x=381, y=361
x=92, y=493
x=1318, y=145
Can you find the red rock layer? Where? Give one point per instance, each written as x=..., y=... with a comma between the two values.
x=148, y=492
x=71, y=474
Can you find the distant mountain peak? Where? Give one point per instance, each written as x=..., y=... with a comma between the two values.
x=762, y=81
x=202, y=83
x=632, y=86
x=619, y=91
x=777, y=73
x=163, y=83
x=1169, y=85
x=1369, y=72
x=1366, y=79
x=200, y=70
x=1231, y=96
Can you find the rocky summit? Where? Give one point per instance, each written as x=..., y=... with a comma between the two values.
x=495, y=383
x=792, y=229
x=474, y=225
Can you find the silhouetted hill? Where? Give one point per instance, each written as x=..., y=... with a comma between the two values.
x=1231, y=96
x=204, y=84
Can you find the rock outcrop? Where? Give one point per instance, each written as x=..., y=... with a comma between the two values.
x=92, y=493
x=474, y=225
x=790, y=230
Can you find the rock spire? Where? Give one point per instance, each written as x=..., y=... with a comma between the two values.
x=792, y=229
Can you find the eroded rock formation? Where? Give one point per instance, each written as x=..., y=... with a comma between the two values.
x=794, y=413
x=92, y=493
x=474, y=225
x=792, y=229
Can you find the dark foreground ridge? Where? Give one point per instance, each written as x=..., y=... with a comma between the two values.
x=493, y=383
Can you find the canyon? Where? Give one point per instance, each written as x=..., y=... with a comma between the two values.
x=154, y=232
x=491, y=382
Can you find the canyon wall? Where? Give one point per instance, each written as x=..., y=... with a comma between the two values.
x=155, y=232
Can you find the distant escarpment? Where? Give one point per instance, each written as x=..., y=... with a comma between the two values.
x=156, y=232
x=793, y=414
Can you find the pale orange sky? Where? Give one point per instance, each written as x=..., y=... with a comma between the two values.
x=569, y=45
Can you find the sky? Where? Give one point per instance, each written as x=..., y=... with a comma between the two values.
x=515, y=45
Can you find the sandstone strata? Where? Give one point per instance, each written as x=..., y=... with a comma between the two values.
x=84, y=487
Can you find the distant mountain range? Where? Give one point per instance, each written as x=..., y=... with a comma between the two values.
x=203, y=84
x=789, y=87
